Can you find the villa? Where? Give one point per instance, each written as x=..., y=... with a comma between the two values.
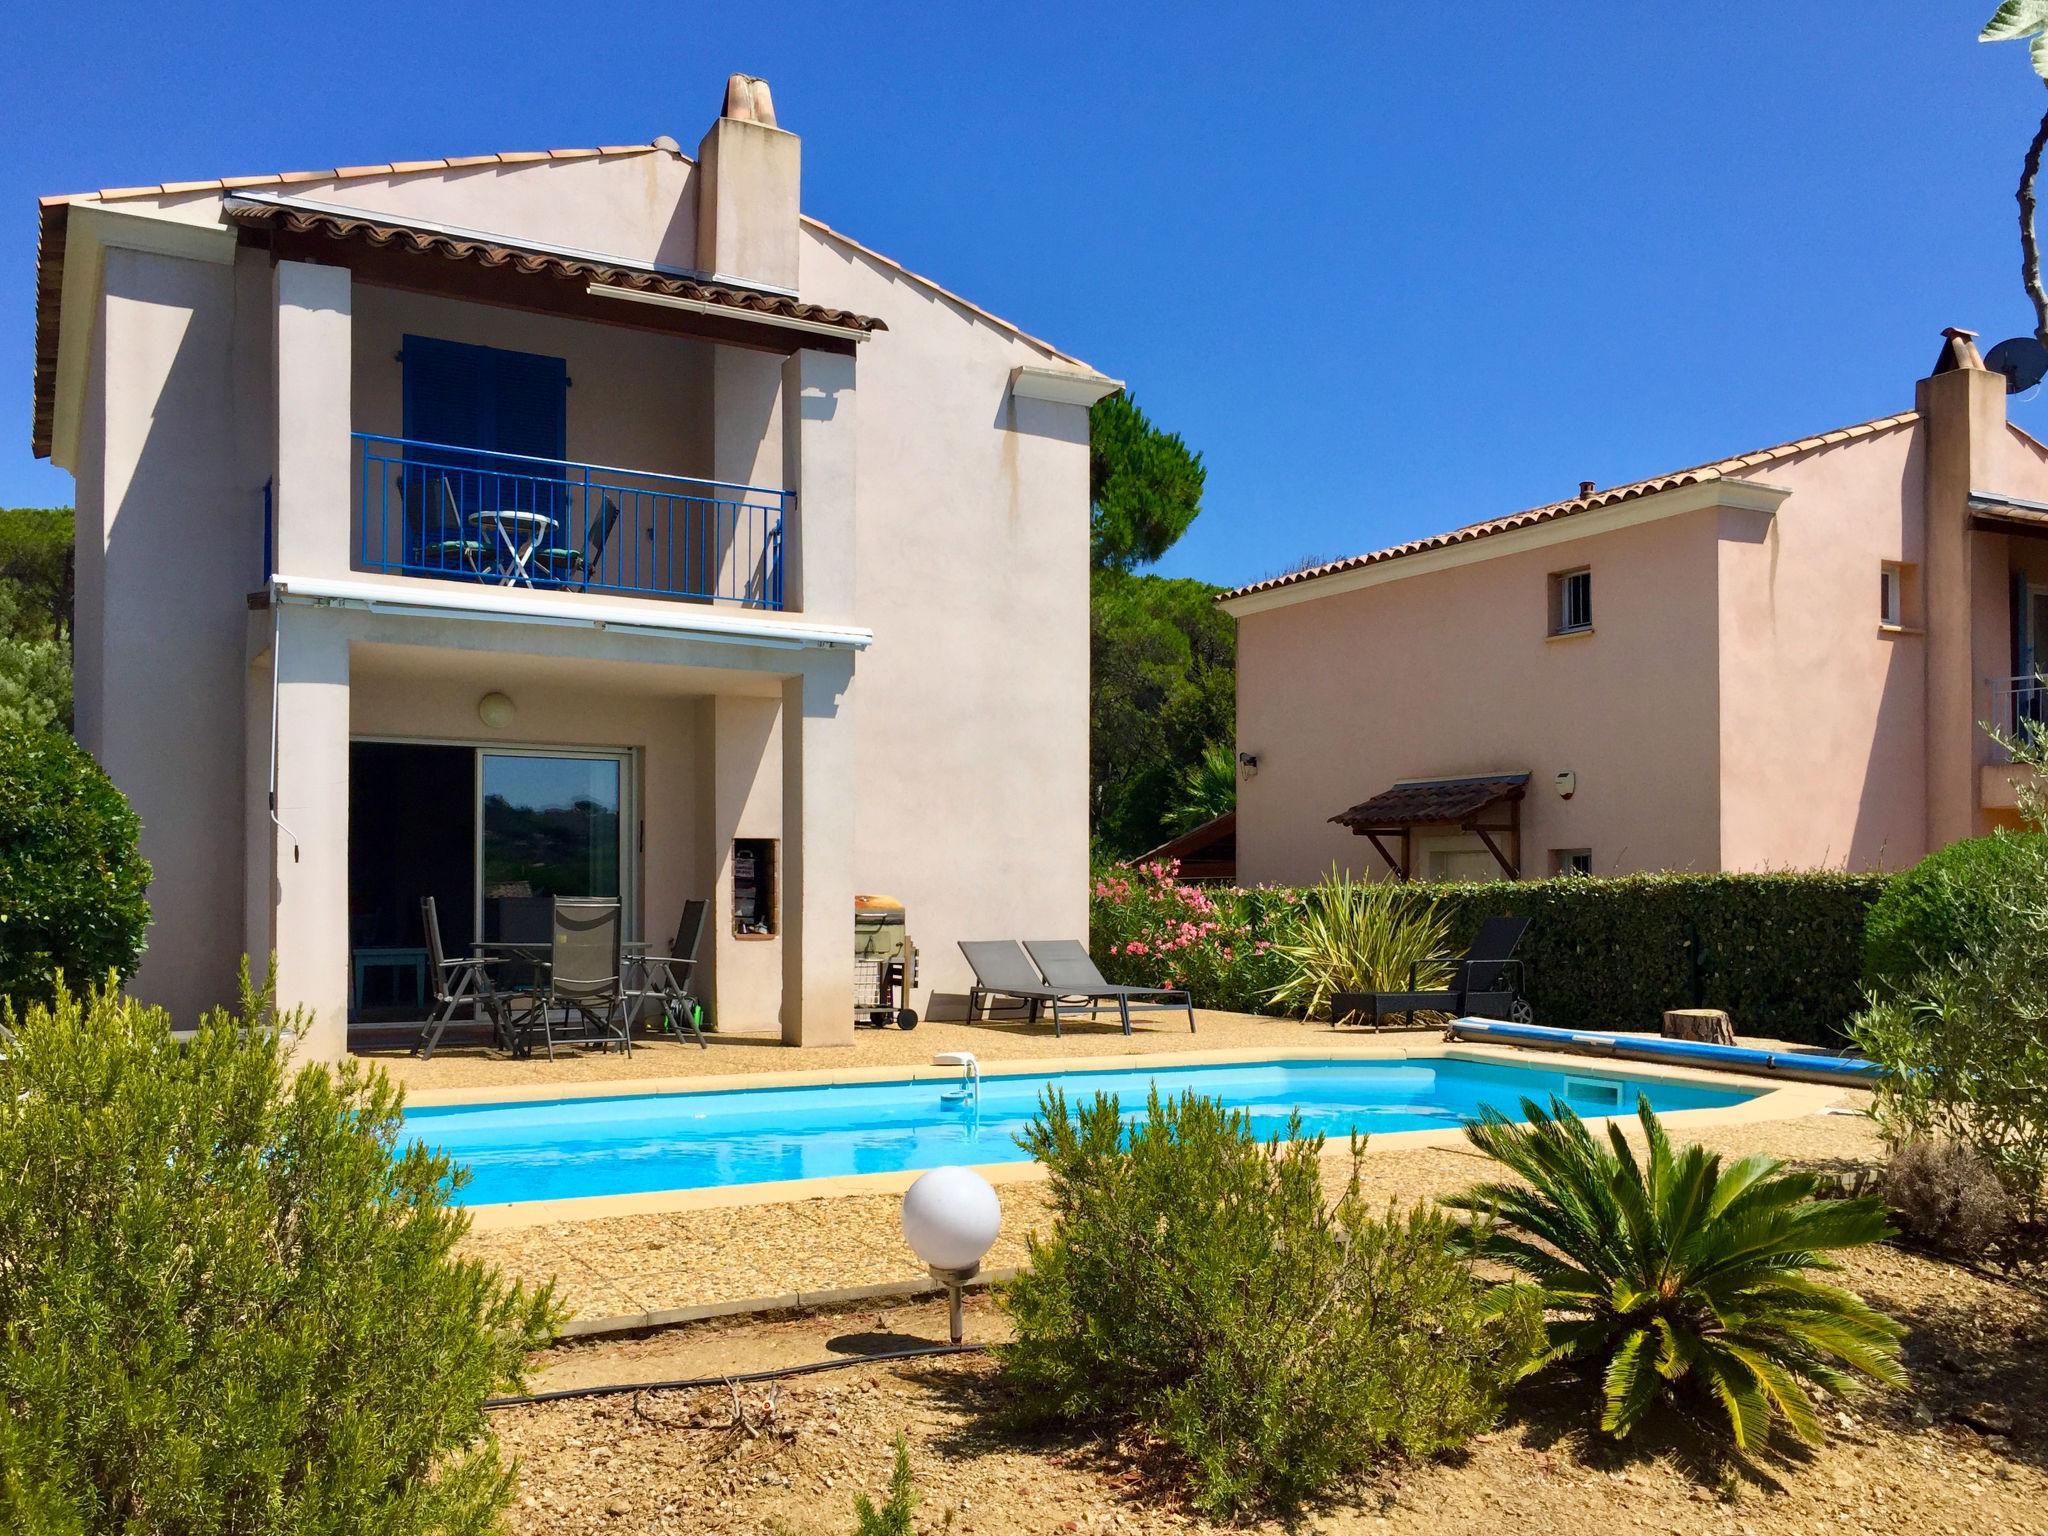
x=580, y=522
x=1781, y=659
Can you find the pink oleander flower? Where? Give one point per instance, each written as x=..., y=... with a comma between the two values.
x=1136, y=947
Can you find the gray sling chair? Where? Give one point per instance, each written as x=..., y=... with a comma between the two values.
x=664, y=980
x=584, y=981
x=1003, y=971
x=1068, y=969
x=456, y=985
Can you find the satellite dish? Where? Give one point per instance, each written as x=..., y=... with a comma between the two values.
x=2023, y=361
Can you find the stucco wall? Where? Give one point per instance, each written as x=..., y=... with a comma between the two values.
x=1823, y=716
x=1453, y=672
x=169, y=520
x=971, y=548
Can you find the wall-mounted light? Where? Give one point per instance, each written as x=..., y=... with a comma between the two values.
x=1567, y=784
x=1249, y=762
x=495, y=710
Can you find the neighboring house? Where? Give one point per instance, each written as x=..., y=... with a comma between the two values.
x=1205, y=854
x=585, y=522
x=1777, y=660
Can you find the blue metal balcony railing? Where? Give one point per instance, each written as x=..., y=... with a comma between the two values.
x=506, y=519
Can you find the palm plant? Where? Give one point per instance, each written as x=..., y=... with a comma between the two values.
x=1679, y=1276
x=1204, y=789
x=1359, y=936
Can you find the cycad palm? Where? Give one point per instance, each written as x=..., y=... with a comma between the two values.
x=1680, y=1273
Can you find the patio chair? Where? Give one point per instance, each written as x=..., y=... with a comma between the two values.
x=1487, y=984
x=455, y=984
x=665, y=979
x=1002, y=970
x=1069, y=970
x=579, y=563
x=585, y=978
x=460, y=551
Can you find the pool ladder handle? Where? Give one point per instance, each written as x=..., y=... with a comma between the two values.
x=970, y=1080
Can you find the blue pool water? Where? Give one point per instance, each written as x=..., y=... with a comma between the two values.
x=565, y=1148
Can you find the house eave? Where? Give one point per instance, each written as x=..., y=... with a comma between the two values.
x=1742, y=495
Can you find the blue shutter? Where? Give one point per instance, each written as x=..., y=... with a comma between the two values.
x=460, y=396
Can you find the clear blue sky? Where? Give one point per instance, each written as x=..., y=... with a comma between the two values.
x=1391, y=267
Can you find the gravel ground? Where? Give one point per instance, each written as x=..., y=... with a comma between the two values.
x=1964, y=1450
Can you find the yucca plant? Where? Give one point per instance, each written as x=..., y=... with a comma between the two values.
x=1359, y=936
x=1679, y=1277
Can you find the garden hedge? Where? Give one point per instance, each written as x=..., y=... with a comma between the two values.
x=1782, y=953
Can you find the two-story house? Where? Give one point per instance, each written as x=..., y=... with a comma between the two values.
x=1782, y=659
x=576, y=522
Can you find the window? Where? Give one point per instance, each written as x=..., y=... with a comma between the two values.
x=1571, y=861
x=753, y=887
x=1891, y=594
x=1571, y=602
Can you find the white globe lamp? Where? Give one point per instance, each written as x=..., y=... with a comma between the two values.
x=951, y=1217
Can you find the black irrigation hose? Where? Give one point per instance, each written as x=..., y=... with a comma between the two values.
x=693, y=1383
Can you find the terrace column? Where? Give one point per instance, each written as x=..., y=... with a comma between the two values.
x=818, y=421
x=311, y=338
x=817, y=852
x=309, y=843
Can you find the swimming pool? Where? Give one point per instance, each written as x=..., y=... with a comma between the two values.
x=632, y=1144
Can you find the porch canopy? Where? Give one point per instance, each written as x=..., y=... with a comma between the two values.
x=1488, y=806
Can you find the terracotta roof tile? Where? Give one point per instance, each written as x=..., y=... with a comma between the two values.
x=1429, y=802
x=1697, y=475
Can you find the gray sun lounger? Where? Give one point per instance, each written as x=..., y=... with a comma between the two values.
x=1002, y=970
x=1070, y=972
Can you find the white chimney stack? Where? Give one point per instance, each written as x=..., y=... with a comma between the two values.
x=748, y=175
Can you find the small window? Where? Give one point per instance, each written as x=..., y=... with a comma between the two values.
x=753, y=887
x=1571, y=602
x=1571, y=861
x=1891, y=594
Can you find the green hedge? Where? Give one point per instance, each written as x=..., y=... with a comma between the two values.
x=1782, y=953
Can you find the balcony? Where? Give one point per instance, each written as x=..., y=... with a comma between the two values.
x=500, y=519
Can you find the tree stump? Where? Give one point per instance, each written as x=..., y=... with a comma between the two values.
x=1709, y=1025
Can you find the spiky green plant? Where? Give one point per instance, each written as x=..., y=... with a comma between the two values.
x=1679, y=1277
x=1360, y=936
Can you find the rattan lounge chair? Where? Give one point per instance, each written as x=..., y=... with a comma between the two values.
x=1487, y=984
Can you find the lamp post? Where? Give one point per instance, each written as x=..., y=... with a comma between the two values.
x=950, y=1219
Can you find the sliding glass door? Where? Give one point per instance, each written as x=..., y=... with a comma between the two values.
x=491, y=834
x=550, y=826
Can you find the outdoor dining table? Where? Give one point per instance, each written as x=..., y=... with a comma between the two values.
x=536, y=955
x=518, y=533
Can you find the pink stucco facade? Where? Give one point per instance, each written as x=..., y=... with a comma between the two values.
x=1739, y=700
x=934, y=552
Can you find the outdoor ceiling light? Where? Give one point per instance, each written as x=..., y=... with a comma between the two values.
x=950, y=1219
x=495, y=710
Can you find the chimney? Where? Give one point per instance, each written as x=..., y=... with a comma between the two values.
x=748, y=172
x=1585, y=489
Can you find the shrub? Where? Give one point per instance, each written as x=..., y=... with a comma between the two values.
x=1943, y=907
x=1359, y=936
x=225, y=1304
x=71, y=881
x=1967, y=1058
x=1678, y=1276
x=893, y=1517
x=1196, y=1287
x=1946, y=1195
x=1147, y=929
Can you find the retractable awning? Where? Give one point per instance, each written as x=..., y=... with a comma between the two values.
x=1485, y=805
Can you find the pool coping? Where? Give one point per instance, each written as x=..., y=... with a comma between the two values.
x=1778, y=1099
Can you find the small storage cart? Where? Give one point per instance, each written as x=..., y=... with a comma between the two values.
x=884, y=964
